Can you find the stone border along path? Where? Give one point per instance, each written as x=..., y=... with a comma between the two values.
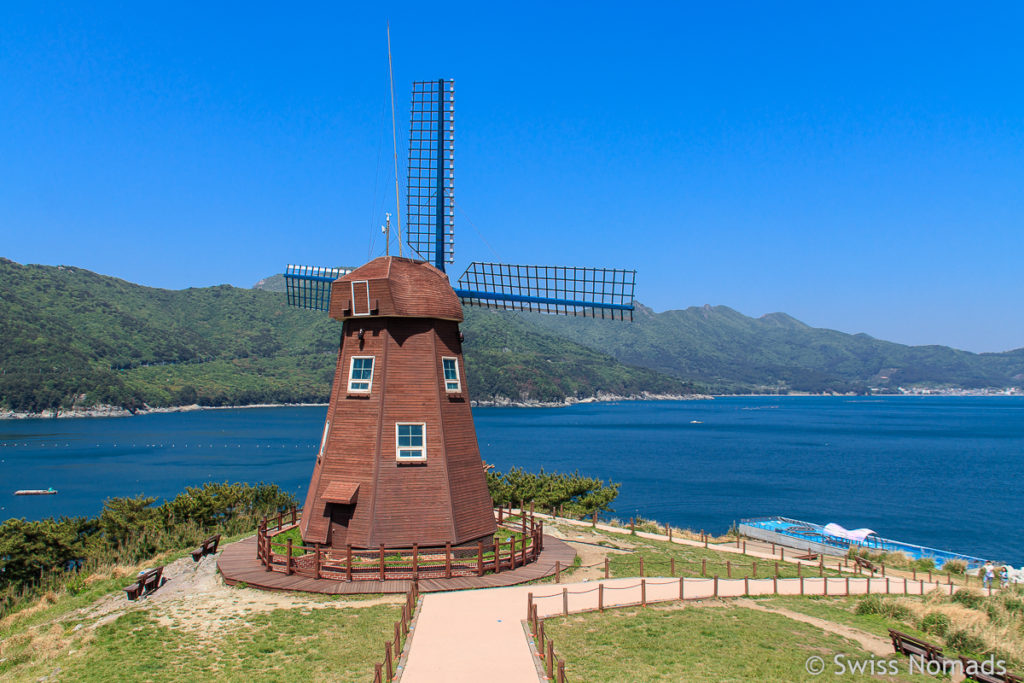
x=475, y=634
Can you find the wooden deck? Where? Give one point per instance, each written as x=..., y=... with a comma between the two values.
x=238, y=564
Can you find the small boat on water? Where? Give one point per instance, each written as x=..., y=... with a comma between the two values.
x=36, y=492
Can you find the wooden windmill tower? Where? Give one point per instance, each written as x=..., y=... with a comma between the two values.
x=398, y=462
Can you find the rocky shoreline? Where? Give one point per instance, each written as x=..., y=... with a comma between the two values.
x=500, y=401
x=601, y=397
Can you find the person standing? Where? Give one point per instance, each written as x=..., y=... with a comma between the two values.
x=989, y=574
x=1004, y=576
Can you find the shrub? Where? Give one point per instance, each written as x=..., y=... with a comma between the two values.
x=935, y=622
x=955, y=567
x=968, y=598
x=965, y=641
x=872, y=604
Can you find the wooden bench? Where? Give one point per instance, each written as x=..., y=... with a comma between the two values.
x=209, y=547
x=145, y=583
x=915, y=647
x=865, y=564
x=974, y=671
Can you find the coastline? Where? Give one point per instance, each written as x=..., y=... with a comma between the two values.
x=497, y=402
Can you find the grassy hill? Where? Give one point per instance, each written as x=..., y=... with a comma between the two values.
x=73, y=337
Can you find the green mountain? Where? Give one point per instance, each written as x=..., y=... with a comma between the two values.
x=724, y=349
x=75, y=338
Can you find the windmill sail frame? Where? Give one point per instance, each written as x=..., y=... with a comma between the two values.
x=562, y=290
x=309, y=287
x=430, y=184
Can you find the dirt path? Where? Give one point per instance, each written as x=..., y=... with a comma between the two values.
x=194, y=598
x=876, y=645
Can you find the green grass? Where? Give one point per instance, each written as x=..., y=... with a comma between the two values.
x=699, y=644
x=315, y=645
x=657, y=557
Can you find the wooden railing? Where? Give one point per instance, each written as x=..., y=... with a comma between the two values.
x=523, y=545
x=393, y=649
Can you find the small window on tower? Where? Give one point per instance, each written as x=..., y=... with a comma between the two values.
x=360, y=375
x=451, y=375
x=411, y=444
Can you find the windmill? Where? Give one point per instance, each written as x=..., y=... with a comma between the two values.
x=398, y=462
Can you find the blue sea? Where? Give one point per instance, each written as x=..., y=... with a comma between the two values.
x=937, y=471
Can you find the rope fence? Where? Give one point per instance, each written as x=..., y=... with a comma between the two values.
x=691, y=588
x=394, y=649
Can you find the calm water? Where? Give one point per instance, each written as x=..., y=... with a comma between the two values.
x=943, y=472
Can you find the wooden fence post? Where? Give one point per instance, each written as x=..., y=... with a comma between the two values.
x=269, y=552
x=377, y=673
x=501, y=514
x=479, y=558
x=512, y=552
x=600, y=597
x=415, y=560
x=561, y=671
x=565, y=601
x=801, y=585
x=540, y=639
x=606, y=575
x=293, y=514
x=632, y=524
x=643, y=592
x=753, y=568
x=824, y=582
x=448, y=559
x=776, y=568
x=529, y=604
x=716, y=585
x=728, y=569
x=497, y=555
x=558, y=572
x=348, y=561
x=316, y=565
x=847, y=585
x=382, y=572
x=682, y=588
x=746, y=585
x=551, y=658
x=641, y=565
x=775, y=584
x=704, y=566
x=388, y=666
x=672, y=566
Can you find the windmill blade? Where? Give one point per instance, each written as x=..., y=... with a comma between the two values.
x=430, y=187
x=562, y=290
x=309, y=287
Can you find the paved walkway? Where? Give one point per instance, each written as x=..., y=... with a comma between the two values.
x=478, y=635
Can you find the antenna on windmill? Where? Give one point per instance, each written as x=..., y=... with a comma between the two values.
x=394, y=142
x=386, y=229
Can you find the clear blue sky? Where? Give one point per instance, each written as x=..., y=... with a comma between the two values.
x=858, y=166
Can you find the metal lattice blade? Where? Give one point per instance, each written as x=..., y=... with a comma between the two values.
x=562, y=290
x=430, y=190
x=309, y=287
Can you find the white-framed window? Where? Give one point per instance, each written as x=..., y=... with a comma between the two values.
x=410, y=441
x=451, y=374
x=360, y=374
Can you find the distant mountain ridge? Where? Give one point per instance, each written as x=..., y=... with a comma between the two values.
x=722, y=348
x=73, y=338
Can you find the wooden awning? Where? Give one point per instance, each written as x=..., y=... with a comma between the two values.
x=341, y=492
